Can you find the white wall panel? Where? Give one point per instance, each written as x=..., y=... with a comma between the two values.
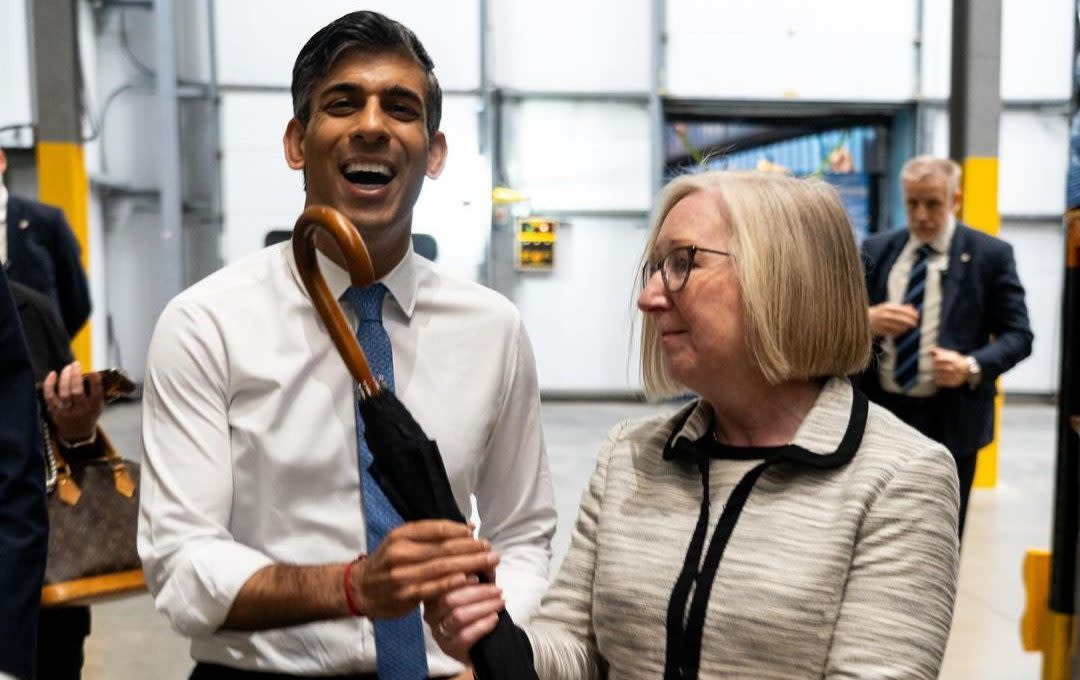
x=259, y=40
x=776, y=49
x=1040, y=256
x=1036, y=48
x=1034, y=153
x=15, y=104
x=574, y=155
x=936, y=133
x=579, y=315
x=936, y=53
x=261, y=192
x=456, y=207
x=605, y=47
x=127, y=156
x=193, y=40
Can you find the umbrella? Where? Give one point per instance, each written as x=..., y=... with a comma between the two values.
x=407, y=464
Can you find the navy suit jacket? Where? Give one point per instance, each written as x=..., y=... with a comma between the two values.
x=24, y=522
x=983, y=315
x=44, y=255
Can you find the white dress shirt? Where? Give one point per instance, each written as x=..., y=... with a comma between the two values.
x=937, y=263
x=251, y=457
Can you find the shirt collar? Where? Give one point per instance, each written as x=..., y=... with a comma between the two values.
x=401, y=281
x=820, y=432
x=3, y=202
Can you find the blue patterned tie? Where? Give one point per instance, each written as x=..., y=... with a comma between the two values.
x=906, y=373
x=399, y=643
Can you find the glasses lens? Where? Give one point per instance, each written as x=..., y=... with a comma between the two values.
x=676, y=268
x=647, y=272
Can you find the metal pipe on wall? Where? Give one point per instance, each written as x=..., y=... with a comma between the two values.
x=918, y=116
x=170, y=232
x=489, y=143
x=656, y=102
x=213, y=94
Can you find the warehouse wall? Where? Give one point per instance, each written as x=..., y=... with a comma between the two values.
x=577, y=136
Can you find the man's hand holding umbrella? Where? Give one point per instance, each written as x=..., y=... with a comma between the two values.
x=417, y=561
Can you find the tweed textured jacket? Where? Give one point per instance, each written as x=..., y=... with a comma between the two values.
x=847, y=572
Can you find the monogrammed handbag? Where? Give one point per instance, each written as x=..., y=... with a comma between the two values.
x=93, y=518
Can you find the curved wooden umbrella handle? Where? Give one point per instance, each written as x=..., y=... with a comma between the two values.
x=318, y=218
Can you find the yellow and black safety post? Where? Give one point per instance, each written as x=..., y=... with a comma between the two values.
x=974, y=113
x=1049, y=622
x=1049, y=625
x=61, y=168
x=1061, y=605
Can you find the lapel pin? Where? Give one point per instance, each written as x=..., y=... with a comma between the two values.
x=965, y=257
x=24, y=224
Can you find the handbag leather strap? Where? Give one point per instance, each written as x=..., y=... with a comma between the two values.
x=67, y=490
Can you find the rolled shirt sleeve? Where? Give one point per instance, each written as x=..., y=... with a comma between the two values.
x=193, y=566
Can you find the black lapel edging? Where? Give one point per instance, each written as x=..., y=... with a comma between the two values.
x=683, y=656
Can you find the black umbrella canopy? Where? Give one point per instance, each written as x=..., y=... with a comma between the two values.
x=407, y=465
x=410, y=471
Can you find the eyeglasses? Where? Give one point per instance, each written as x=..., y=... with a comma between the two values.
x=675, y=267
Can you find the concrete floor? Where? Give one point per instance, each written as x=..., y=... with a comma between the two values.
x=130, y=640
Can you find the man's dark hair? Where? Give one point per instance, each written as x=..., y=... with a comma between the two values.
x=367, y=32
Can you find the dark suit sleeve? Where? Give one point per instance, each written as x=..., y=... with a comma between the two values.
x=1007, y=318
x=872, y=254
x=43, y=329
x=23, y=518
x=72, y=287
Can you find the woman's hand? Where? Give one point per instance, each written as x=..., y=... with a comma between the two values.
x=73, y=409
x=462, y=616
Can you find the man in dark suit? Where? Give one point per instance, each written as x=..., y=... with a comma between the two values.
x=948, y=316
x=73, y=407
x=39, y=250
x=23, y=519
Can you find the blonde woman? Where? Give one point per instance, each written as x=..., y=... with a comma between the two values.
x=779, y=526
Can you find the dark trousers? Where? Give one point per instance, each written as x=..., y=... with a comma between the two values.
x=927, y=416
x=965, y=469
x=61, y=633
x=211, y=671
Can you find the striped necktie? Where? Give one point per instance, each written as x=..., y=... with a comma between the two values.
x=906, y=372
x=399, y=643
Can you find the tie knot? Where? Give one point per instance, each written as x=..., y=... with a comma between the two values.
x=366, y=301
x=925, y=250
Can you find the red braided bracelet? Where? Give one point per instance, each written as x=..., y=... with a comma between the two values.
x=348, y=591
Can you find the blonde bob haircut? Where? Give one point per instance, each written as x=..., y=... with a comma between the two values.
x=801, y=278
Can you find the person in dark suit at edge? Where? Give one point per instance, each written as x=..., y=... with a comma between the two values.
x=948, y=317
x=73, y=407
x=24, y=523
x=39, y=250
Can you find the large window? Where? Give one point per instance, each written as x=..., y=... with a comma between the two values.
x=850, y=156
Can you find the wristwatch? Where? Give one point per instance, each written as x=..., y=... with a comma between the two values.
x=76, y=444
x=974, y=372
